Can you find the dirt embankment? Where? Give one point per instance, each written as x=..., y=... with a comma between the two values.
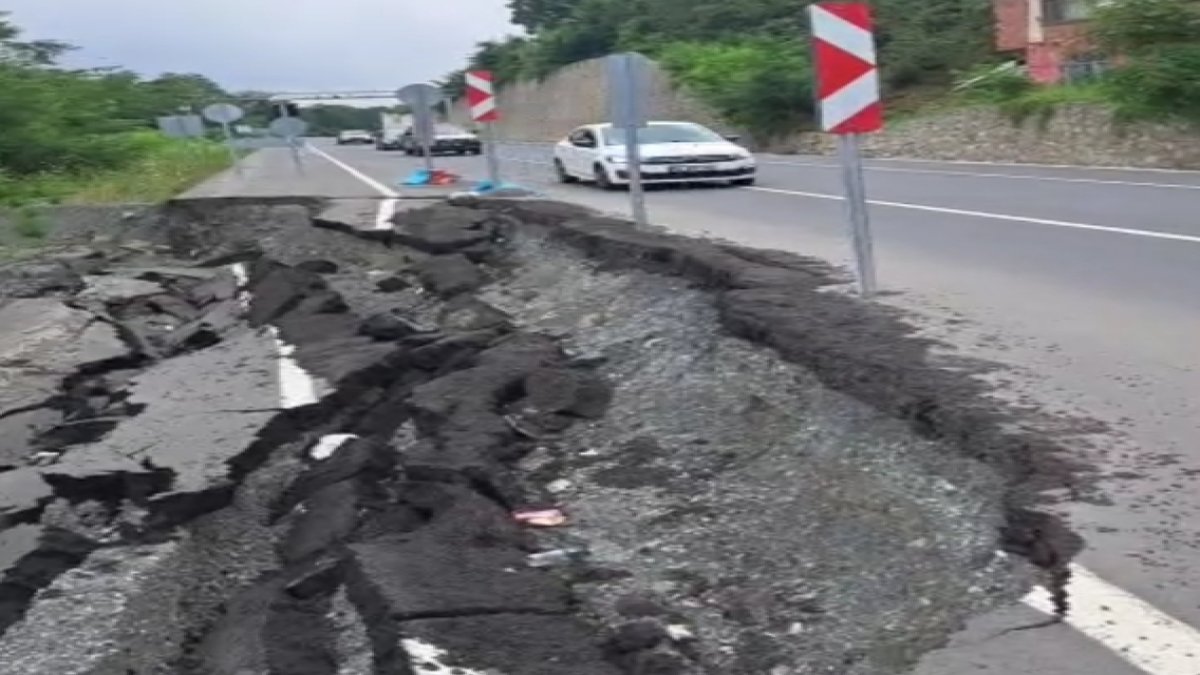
x=758, y=476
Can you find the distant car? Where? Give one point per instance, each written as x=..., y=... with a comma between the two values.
x=355, y=137
x=389, y=139
x=671, y=152
x=448, y=140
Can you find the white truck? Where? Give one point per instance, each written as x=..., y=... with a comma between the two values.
x=391, y=129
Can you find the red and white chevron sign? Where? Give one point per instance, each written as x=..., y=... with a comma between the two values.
x=481, y=96
x=847, y=76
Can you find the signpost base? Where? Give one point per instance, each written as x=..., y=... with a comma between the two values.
x=489, y=147
x=856, y=210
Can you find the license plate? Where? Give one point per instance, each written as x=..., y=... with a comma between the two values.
x=687, y=169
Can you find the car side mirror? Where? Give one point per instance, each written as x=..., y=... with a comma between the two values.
x=733, y=138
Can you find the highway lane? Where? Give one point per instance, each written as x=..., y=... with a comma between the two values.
x=1089, y=321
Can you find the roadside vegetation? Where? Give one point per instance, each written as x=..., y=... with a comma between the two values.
x=89, y=135
x=750, y=59
x=1154, y=48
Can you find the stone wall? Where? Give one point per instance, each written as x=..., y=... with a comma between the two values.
x=548, y=109
x=1084, y=135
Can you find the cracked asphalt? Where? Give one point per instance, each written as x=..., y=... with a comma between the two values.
x=276, y=434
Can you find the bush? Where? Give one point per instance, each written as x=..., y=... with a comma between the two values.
x=994, y=84
x=763, y=86
x=1129, y=26
x=1159, y=82
x=154, y=168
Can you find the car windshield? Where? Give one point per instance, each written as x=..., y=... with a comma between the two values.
x=663, y=133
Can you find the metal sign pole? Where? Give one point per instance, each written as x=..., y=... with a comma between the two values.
x=633, y=160
x=297, y=158
x=493, y=159
x=628, y=93
x=424, y=116
x=233, y=155
x=856, y=211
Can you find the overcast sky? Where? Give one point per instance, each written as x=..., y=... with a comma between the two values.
x=271, y=45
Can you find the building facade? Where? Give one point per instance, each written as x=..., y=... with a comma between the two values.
x=1049, y=37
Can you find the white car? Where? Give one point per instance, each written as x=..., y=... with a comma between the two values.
x=671, y=152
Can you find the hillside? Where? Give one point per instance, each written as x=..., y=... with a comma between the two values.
x=748, y=58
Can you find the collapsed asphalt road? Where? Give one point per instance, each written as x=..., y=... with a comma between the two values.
x=336, y=449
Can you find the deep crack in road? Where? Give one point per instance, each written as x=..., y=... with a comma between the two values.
x=759, y=477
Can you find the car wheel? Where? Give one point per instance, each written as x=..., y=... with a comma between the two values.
x=743, y=182
x=563, y=176
x=602, y=180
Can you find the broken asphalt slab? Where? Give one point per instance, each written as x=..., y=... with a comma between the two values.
x=740, y=494
x=42, y=341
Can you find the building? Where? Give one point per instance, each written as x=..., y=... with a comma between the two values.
x=1049, y=37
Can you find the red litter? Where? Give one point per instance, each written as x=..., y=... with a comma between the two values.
x=541, y=517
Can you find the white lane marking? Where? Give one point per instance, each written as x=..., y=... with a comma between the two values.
x=429, y=659
x=387, y=207
x=1136, y=631
x=524, y=161
x=371, y=182
x=324, y=448
x=993, y=216
x=970, y=162
x=1007, y=176
x=296, y=387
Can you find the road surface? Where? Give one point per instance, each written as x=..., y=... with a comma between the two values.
x=1084, y=283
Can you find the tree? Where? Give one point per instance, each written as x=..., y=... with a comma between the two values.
x=537, y=15
x=36, y=52
x=62, y=120
x=922, y=43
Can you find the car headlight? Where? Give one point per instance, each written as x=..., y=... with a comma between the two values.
x=615, y=159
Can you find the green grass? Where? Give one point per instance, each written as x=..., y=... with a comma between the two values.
x=163, y=168
x=162, y=174
x=23, y=231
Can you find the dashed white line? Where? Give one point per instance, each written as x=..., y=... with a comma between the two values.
x=296, y=387
x=993, y=216
x=430, y=659
x=387, y=207
x=1136, y=631
x=371, y=182
x=328, y=445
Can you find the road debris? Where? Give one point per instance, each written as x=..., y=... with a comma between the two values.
x=541, y=518
x=750, y=462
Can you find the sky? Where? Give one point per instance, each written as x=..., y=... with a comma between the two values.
x=271, y=45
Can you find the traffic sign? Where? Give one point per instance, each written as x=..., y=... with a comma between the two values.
x=181, y=126
x=420, y=95
x=848, y=95
x=288, y=127
x=481, y=96
x=847, y=75
x=223, y=113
